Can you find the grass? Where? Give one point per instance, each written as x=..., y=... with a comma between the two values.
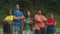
x=1, y=31
x=58, y=21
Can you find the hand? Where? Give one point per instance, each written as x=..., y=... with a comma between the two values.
x=27, y=22
x=16, y=18
x=22, y=17
x=51, y=24
x=7, y=21
x=44, y=19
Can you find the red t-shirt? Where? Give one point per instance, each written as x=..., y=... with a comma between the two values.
x=51, y=21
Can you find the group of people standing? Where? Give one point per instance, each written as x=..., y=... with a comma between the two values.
x=15, y=21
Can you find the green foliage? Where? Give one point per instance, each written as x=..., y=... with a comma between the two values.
x=47, y=6
x=57, y=17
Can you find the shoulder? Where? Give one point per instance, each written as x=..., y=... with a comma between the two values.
x=6, y=16
x=14, y=11
x=42, y=15
x=20, y=11
x=36, y=15
x=55, y=20
x=11, y=16
x=48, y=19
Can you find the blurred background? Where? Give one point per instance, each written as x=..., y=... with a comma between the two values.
x=47, y=6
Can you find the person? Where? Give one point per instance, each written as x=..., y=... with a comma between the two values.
x=18, y=17
x=40, y=22
x=7, y=22
x=51, y=24
x=28, y=23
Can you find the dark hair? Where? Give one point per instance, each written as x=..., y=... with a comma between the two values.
x=50, y=14
x=27, y=15
x=38, y=9
x=17, y=4
x=11, y=11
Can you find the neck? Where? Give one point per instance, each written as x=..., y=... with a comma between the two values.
x=28, y=16
x=17, y=10
x=51, y=19
x=9, y=15
x=39, y=14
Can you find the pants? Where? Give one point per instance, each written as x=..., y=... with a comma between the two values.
x=50, y=30
x=6, y=28
x=37, y=31
x=28, y=32
x=42, y=30
x=16, y=28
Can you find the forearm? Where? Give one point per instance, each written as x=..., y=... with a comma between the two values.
x=37, y=18
x=55, y=23
x=7, y=21
x=22, y=17
x=16, y=18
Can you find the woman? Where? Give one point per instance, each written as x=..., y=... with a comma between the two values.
x=28, y=22
x=51, y=24
x=7, y=22
x=40, y=22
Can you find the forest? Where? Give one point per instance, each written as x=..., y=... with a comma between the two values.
x=47, y=6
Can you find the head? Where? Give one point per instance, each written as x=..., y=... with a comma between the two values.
x=39, y=11
x=10, y=12
x=28, y=13
x=17, y=7
x=51, y=16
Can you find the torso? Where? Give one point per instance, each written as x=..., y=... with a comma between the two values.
x=40, y=24
x=18, y=14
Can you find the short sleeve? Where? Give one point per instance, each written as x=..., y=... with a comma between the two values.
x=44, y=18
x=14, y=13
x=21, y=13
x=6, y=18
x=55, y=20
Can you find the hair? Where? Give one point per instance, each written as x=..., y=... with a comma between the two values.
x=9, y=10
x=50, y=14
x=38, y=9
x=27, y=15
x=17, y=4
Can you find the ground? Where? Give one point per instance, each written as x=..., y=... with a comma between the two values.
x=1, y=31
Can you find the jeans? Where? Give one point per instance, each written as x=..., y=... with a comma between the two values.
x=37, y=31
x=42, y=30
x=16, y=28
x=50, y=30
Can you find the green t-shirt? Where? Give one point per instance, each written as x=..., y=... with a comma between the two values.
x=28, y=26
x=28, y=19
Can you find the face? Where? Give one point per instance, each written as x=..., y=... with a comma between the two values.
x=28, y=13
x=51, y=16
x=17, y=7
x=39, y=12
x=10, y=12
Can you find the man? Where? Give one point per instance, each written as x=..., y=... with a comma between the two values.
x=18, y=16
x=40, y=22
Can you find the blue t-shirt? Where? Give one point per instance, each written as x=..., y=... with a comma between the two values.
x=17, y=14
